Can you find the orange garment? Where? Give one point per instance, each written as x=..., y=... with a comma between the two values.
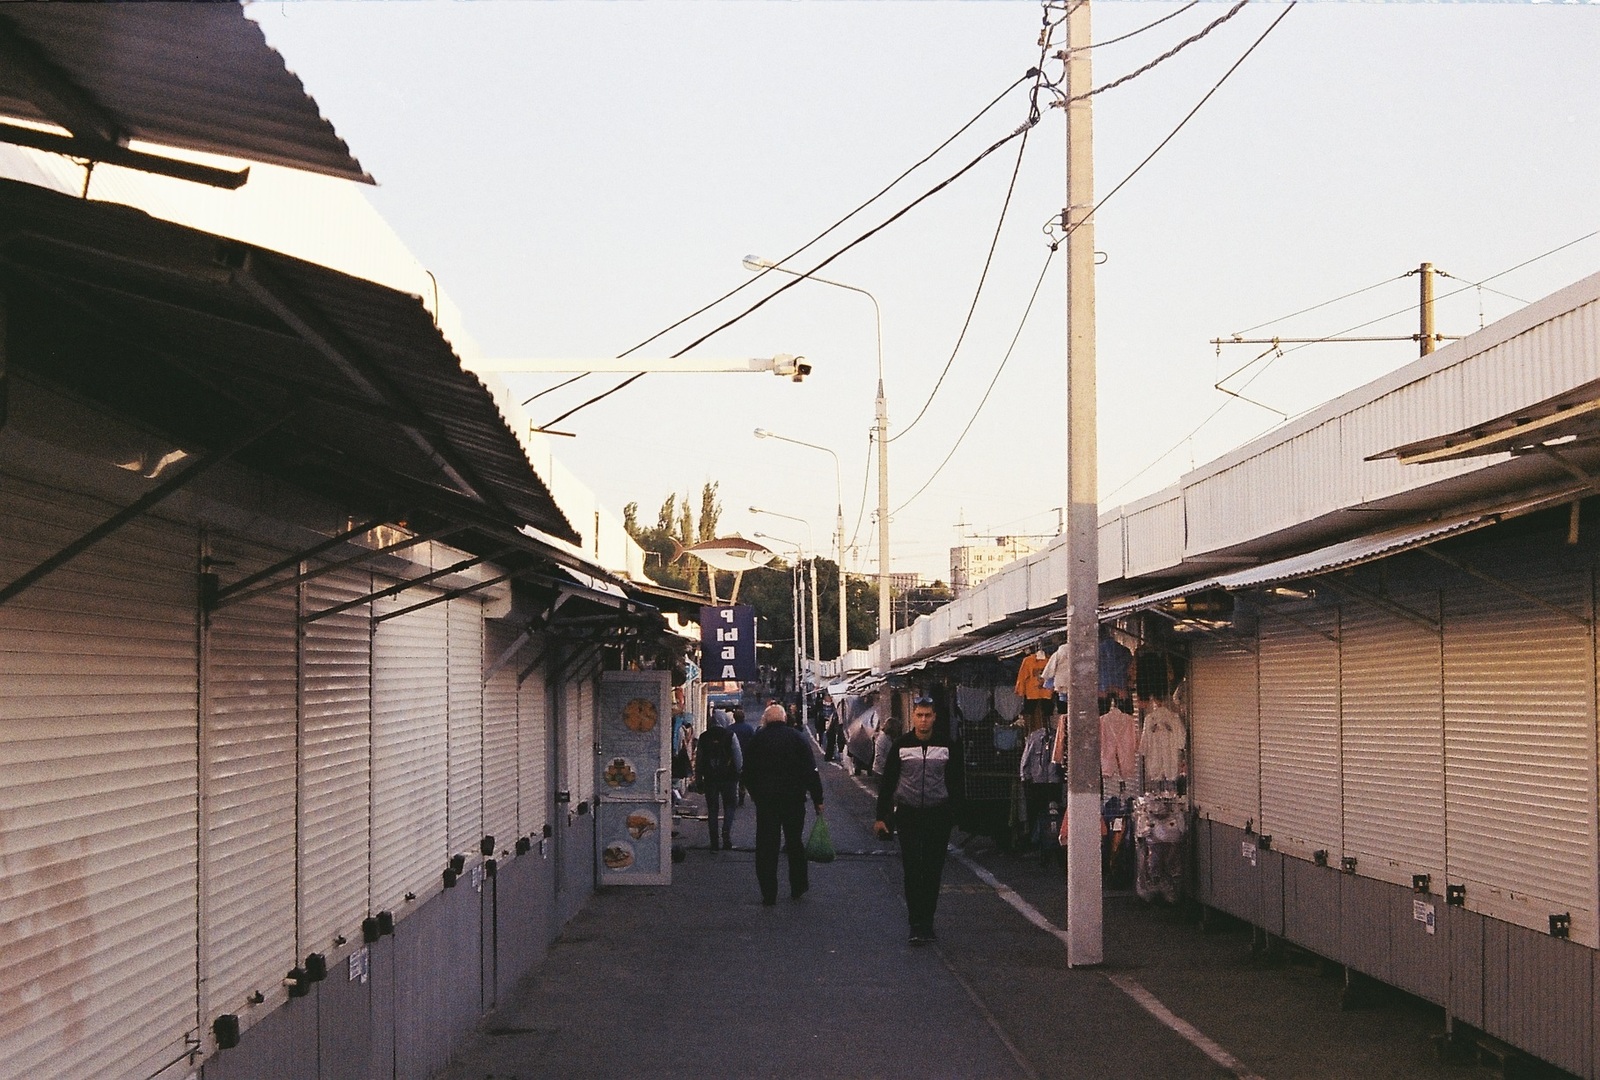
x=1030, y=687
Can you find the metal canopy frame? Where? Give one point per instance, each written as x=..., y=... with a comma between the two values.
x=402, y=586
x=236, y=593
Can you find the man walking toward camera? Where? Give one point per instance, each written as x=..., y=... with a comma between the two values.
x=779, y=773
x=921, y=785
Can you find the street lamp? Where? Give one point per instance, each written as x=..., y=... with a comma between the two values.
x=881, y=427
x=844, y=636
x=797, y=605
x=816, y=628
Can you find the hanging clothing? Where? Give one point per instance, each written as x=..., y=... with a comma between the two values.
x=1162, y=743
x=1028, y=687
x=1119, y=741
x=1056, y=671
x=1114, y=660
x=1058, y=753
x=1150, y=677
x=1037, y=766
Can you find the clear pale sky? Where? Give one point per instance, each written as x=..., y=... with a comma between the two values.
x=581, y=175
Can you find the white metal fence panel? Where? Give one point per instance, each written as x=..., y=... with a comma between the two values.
x=1225, y=728
x=410, y=751
x=335, y=761
x=1300, y=769
x=248, y=752
x=1520, y=744
x=500, y=756
x=1392, y=690
x=98, y=767
x=534, y=748
x=466, y=726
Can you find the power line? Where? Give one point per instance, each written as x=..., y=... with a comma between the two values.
x=1169, y=54
x=1033, y=118
x=1147, y=26
x=1323, y=304
x=978, y=292
x=865, y=480
x=984, y=400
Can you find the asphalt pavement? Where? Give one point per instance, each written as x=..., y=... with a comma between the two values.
x=697, y=979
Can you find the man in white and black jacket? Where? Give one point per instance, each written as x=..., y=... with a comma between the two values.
x=921, y=786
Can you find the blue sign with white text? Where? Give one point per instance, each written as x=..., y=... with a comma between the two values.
x=728, y=642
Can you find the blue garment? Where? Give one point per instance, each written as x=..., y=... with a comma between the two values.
x=1114, y=663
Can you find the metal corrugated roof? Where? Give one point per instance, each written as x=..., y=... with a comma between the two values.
x=1574, y=415
x=200, y=76
x=202, y=338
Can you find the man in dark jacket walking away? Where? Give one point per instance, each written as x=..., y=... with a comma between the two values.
x=717, y=763
x=779, y=773
x=922, y=783
x=744, y=731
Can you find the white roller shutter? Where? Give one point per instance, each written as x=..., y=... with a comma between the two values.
x=466, y=725
x=249, y=695
x=1300, y=771
x=98, y=789
x=1392, y=698
x=579, y=701
x=1520, y=746
x=500, y=757
x=410, y=751
x=335, y=761
x=1224, y=731
x=533, y=751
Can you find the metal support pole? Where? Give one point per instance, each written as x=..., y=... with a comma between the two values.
x=816, y=629
x=1425, y=272
x=1085, y=939
x=885, y=614
x=844, y=634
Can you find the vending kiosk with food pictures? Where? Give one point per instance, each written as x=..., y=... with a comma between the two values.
x=633, y=820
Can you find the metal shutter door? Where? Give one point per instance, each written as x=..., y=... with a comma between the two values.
x=335, y=761
x=1392, y=699
x=98, y=787
x=533, y=752
x=500, y=757
x=1224, y=732
x=580, y=738
x=1519, y=747
x=248, y=751
x=1300, y=771
x=410, y=753
x=466, y=726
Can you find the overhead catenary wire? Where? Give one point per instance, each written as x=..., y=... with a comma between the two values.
x=798, y=279
x=1142, y=29
x=1323, y=304
x=981, y=113
x=1169, y=54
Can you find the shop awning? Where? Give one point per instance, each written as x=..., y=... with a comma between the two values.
x=1340, y=556
x=197, y=76
x=356, y=393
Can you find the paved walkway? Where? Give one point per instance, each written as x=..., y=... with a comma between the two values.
x=699, y=980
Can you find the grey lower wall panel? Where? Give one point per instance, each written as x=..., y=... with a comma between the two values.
x=437, y=989
x=1419, y=961
x=1366, y=926
x=1466, y=943
x=1550, y=990
x=1497, y=1004
x=1235, y=880
x=1311, y=906
x=380, y=997
x=1269, y=873
x=1200, y=849
x=344, y=1032
x=523, y=927
x=576, y=852
x=273, y=1048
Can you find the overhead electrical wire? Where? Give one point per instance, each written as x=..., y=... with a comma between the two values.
x=863, y=238
x=820, y=236
x=865, y=481
x=1142, y=29
x=1323, y=304
x=1359, y=326
x=1169, y=54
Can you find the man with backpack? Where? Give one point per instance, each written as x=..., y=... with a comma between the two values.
x=717, y=766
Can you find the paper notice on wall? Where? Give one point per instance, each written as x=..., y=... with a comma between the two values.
x=358, y=966
x=1247, y=851
x=1422, y=911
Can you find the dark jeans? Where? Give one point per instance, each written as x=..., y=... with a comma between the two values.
x=924, y=836
x=780, y=819
x=723, y=797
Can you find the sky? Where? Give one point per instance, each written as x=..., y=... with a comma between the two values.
x=580, y=176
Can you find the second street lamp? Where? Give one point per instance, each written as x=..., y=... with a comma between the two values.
x=838, y=491
x=816, y=628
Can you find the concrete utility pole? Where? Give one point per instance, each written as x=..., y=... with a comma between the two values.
x=1085, y=939
x=1425, y=272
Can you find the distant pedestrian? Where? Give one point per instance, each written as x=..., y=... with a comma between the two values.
x=743, y=730
x=780, y=772
x=833, y=739
x=717, y=763
x=919, y=793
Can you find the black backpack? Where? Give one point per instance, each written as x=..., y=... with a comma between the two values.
x=715, y=758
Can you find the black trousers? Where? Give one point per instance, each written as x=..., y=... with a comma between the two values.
x=924, y=836
x=781, y=819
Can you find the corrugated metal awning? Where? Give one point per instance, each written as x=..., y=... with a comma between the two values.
x=198, y=76
x=201, y=338
x=1560, y=420
x=1340, y=556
